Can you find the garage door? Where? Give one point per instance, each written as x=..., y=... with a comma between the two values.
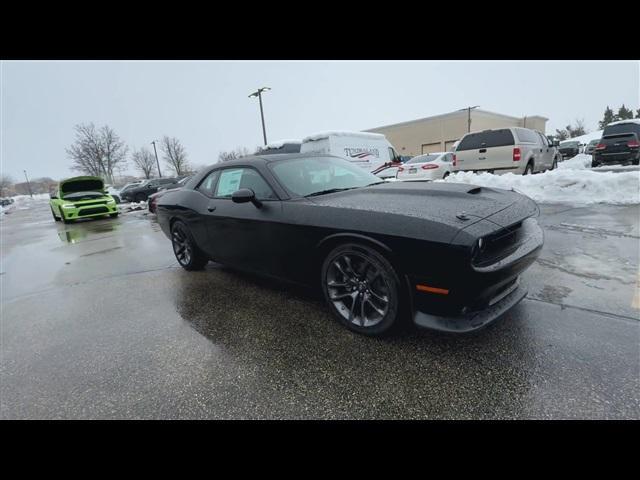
x=449, y=144
x=431, y=147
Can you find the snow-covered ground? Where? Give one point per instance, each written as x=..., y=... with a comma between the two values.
x=572, y=182
x=23, y=202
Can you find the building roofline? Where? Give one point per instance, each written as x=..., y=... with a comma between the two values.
x=452, y=114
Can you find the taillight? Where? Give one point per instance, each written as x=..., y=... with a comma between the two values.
x=454, y=160
x=400, y=169
x=429, y=166
x=633, y=144
x=516, y=154
x=601, y=146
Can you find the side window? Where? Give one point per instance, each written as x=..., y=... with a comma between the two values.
x=233, y=179
x=209, y=183
x=543, y=139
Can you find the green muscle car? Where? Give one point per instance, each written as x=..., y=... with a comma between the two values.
x=82, y=197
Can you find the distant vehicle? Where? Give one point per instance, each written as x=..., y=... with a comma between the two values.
x=620, y=144
x=503, y=150
x=6, y=201
x=370, y=151
x=431, y=166
x=82, y=197
x=281, y=146
x=153, y=199
x=569, y=149
x=387, y=172
x=591, y=147
x=114, y=192
x=141, y=192
x=128, y=187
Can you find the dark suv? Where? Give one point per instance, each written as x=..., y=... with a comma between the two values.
x=619, y=144
x=140, y=193
x=569, y=149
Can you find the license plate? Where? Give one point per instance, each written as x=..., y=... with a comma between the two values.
x=413, y=170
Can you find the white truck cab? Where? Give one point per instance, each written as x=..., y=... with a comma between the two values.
x=368, y=150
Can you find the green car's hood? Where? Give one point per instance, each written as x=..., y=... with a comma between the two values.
x=81, y=184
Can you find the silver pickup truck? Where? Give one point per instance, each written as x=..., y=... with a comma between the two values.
x=514, y=149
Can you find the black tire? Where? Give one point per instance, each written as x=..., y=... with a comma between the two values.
x=362, y=289
x=554, y=165
x=113, y=215
x=54, y=215
x=446, y=174
x=594, y=164
x=189, y=256
x=528, y=170
x=141, y=197
x=64, y=219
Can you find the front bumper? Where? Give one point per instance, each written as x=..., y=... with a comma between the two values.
x=472, y=321
x=89, y=211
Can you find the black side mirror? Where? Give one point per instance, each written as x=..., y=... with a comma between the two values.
x=245, y=195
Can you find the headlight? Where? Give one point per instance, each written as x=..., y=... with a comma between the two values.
x=111, y=200
x=68, y=205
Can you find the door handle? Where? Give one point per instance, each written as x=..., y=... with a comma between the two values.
x=483, y=150
x=211, y=208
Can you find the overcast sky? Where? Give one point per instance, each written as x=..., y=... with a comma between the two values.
x=205, y=103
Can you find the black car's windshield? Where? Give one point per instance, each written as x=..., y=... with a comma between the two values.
x=318, y=175
x=568, y=144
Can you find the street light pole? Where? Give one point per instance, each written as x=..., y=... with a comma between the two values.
x=258, y=93
x=28, y=184
x=157, y=161
x=468, y=109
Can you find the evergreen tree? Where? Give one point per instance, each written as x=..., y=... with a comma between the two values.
x=638, y=113
x=606, y=119
x=624, y=113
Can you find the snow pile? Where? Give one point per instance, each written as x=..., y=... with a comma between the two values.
x=24, y=202
x=582, y=161
x=279, y=144
x=577, y=186
x=587, y=137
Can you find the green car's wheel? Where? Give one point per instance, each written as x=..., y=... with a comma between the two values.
x=62, y=217
x=54, y=215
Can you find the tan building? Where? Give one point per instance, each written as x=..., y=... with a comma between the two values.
x=439, y=133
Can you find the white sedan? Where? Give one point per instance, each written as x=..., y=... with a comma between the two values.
x=431, y=166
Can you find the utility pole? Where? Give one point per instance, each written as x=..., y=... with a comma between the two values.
x=468, y=109
x=157, y=161
x=28, y=184
x=258, y=93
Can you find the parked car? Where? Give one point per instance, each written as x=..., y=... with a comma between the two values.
x=569, y=149
x=81, y=197
x=371, y=151
x=620, y=144
x=516, y=150
x=114, y=192
x=447, y=255
x=591, y=147
x=128, y=187
x=141, y=192
x=153, y=199
x=431, y=166
x=6, y=201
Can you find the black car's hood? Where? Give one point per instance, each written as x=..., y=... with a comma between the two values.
x=442, y=202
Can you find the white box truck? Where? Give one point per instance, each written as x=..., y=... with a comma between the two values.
x=369, y=150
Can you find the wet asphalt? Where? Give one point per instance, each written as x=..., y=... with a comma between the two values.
x=98, y=321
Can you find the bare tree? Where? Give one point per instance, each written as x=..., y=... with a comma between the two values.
x=97, y=152
x=233, y=154
x=5, y=183
x=174, y=155
x=144, y=161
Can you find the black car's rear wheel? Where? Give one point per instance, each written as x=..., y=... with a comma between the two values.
x=189, y=256
x=361, y=288
x=140, y=197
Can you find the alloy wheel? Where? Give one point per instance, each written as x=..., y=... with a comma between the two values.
x=181, y=245
x=357, y=289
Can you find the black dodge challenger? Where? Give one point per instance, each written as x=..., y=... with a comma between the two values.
x=446, y=255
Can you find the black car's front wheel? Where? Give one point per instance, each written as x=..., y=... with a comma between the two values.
x=189, y=256
x=362, y=289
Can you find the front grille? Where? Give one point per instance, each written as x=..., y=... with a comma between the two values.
x=89, y=204
x=92, y=211
x=498, y=245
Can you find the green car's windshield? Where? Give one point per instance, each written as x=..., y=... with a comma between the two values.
x=319, y=175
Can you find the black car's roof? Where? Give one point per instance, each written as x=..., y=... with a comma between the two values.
x=267, y=158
